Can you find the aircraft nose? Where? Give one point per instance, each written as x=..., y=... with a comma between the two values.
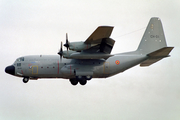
x=10, y=70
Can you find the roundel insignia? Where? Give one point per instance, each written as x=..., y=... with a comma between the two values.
x=117, y=62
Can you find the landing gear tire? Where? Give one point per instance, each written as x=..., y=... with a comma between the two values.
x=25, y=79
x=82, y=82
x=74, y=81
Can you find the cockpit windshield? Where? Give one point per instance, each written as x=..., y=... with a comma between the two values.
x=20, y=59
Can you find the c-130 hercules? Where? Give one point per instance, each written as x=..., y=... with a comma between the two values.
x=92, y=59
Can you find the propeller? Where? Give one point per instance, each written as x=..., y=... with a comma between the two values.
x=67, y=42
x=60, y=52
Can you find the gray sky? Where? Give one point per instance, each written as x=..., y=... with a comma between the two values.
x=37, y=27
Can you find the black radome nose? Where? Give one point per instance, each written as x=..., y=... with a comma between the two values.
x=10, y=70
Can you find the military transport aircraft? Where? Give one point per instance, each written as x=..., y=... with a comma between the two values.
x=93, y=59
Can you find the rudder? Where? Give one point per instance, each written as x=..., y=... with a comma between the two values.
x=153, y=38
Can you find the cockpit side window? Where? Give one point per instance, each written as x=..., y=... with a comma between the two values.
x=20, y=59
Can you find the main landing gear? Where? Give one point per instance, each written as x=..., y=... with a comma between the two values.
x=25, y=79
x=81, y=79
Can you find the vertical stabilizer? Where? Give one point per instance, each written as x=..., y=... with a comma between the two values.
x=153, y=38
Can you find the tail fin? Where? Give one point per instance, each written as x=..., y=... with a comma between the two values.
x=153, y=38
x=153, y=43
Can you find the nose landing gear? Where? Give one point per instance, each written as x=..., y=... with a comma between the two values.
x=25, y=79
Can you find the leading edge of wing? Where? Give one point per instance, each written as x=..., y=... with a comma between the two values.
x=100, y=33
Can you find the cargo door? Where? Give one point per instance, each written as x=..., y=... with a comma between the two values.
x=35, y=69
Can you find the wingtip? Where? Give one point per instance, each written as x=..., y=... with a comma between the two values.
x=155, y=18
x=104, y=26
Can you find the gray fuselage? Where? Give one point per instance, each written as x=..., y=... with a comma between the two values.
x=50, y=66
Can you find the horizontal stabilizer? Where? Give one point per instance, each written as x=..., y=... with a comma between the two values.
x=149, y=62
x=156, y=56
x=163, y=52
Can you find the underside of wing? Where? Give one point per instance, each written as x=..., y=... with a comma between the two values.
x=100, y=40
x=85, y=55
x=105, y=46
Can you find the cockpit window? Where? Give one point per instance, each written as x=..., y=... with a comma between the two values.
x=20, y=59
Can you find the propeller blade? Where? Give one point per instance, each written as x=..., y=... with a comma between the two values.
x=61, y=52
x=66, y=36
x=67, y=42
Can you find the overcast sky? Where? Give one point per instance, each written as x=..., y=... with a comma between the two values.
x=37, y=27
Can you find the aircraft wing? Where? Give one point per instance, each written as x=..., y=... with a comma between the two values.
x=100, y=33
x=100, y=45
x=100, y=40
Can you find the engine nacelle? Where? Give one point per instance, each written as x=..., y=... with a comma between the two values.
x=78, y=46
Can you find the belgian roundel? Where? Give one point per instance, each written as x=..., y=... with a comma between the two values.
x=117, y=62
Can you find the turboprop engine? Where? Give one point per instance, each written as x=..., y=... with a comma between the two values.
x=78, y=46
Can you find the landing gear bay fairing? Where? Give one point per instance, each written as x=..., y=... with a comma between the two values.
x=83, y=61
